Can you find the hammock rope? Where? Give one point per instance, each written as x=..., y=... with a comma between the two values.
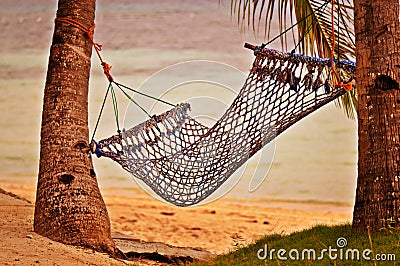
x=184, y=161
x=297, y=23
x=97, y=47
x=122, y=88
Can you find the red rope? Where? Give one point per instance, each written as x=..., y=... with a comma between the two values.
x=97, y=46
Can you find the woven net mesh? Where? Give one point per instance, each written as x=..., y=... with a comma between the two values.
x=184, y=161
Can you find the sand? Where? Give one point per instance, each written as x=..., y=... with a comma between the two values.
x=217, y=227
x=19, y=245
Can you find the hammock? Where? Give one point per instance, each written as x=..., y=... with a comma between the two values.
x=184, y=161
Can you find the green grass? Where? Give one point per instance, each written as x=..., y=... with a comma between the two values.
x=317, y=238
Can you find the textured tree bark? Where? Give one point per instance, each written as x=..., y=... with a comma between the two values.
x=378, y=76
x=69, y=207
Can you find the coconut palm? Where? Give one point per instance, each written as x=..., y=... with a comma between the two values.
x=69, y=207
x=371, y=26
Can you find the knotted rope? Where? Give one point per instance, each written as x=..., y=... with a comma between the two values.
x=97, y=47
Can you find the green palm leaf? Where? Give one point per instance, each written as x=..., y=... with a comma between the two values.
x=313, y=34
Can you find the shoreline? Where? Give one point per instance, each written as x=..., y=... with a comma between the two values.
x=28, y=191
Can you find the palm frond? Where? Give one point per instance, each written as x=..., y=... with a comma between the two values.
x=314, y=33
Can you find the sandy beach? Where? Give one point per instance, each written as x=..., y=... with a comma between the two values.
x=312, y=177
x=216, y=227
x=19, y=245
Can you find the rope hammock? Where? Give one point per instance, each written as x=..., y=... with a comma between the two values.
x=184, y=161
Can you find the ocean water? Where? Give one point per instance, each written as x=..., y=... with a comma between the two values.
x=313, y=161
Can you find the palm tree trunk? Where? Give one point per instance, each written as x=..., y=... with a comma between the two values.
x=69, y=207
x=378, y=76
